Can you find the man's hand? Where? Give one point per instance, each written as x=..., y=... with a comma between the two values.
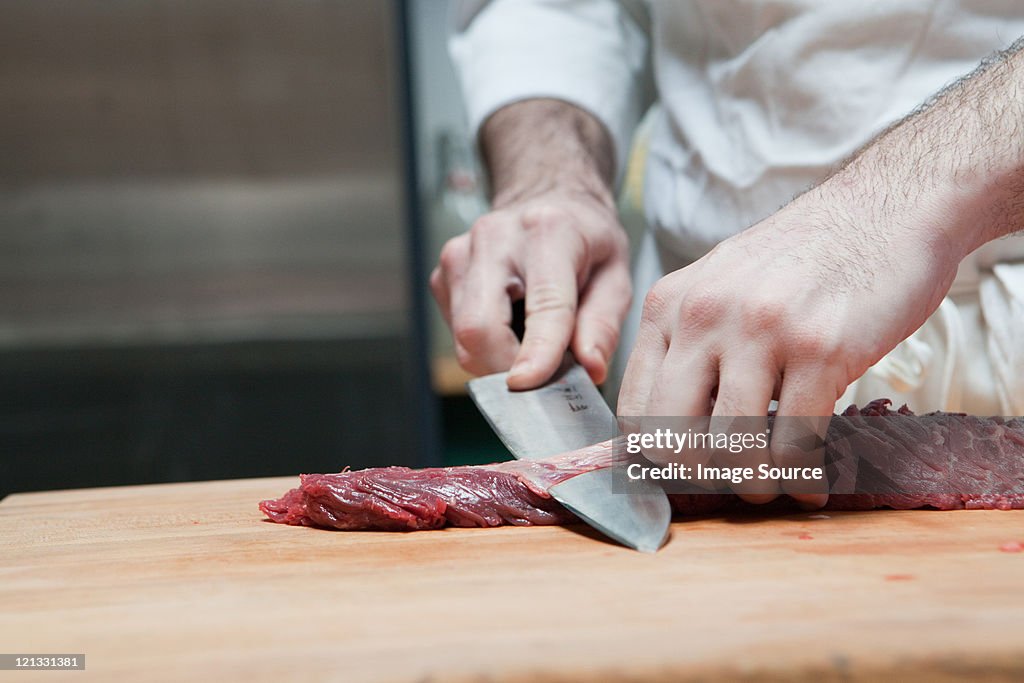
x=552, y=237
x=803, y=303
x=793, y=309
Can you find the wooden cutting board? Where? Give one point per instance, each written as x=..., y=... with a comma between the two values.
x=187, y=582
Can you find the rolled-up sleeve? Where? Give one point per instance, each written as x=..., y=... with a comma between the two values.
x=589, y=53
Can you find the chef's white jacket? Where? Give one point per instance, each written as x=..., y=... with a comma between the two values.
x=758, y=100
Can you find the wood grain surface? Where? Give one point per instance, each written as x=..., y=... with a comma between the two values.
x=187, y=582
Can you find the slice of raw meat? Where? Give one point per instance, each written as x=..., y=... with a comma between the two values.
x=399, y=498
x=955, y=462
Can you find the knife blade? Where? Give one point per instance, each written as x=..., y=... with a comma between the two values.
x=566, y=414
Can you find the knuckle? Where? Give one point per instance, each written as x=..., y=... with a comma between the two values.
x=545, y=217
x=765, y=314
x=540, y=343
x=727, y=403
x=808, y=344
x=453, y=253
x=472, y=334
x=547, y=298
x=833, y=350
x=487, y=226
x=656, y=302
x=700, y=309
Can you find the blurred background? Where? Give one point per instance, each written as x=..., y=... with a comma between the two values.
x=216, y=222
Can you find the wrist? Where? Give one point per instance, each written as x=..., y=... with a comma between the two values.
x=565, y=183
x=545, y=146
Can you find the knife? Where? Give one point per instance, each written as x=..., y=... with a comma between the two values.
x=566, y=414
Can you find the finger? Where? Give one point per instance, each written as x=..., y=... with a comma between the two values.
x=442, y=296
x=642, y=370
x=683, y=385
x=745, y=388
x=679, y=402
x=603, y=306
x=482, y=311
x=806, y=401
x=446, y=281
x=550, y=270
x=652, y=342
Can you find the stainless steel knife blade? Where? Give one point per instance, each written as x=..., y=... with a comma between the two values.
x=638, y=518
x=566, y=414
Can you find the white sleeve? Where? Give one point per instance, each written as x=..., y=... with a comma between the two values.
x=589, y=53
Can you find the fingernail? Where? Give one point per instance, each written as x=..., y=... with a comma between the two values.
x=816, y=503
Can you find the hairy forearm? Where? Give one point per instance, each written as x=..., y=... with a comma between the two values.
x=954, y=169
x=539, y=145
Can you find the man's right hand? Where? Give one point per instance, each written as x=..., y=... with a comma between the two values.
x=552, y=237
